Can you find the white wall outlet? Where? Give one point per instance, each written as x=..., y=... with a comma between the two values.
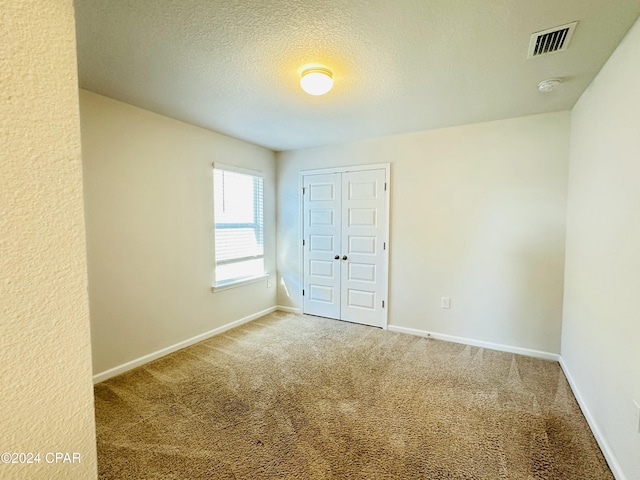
x=269, y=283
x=445, y=302
x=636, y=416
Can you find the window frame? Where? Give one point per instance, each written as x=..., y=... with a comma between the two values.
x=239, y=281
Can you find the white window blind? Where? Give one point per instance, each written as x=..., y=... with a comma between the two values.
x=239, y=227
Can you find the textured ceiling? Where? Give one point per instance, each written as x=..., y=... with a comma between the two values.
x=399, y=66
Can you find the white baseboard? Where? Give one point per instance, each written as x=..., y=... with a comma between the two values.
x=282, y=308
x=595, y=429
x=112, y=372
x=477, y=343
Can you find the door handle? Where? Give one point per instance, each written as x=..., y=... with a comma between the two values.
x=337, y=257
x=344, y=257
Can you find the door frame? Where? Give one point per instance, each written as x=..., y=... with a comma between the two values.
x=387, y=196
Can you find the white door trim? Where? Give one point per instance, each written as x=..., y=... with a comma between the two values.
x=387, y=197
x=352, y=168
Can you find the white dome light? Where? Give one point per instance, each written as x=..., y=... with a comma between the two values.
x=549, y=85
x=316, y=81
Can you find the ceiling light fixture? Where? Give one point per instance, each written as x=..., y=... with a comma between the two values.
x=549, y=85
x=316, y=81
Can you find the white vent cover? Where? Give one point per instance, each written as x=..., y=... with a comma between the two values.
x=551, y=41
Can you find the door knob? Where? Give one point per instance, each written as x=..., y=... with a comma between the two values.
x=337, y=257
x=344, y=257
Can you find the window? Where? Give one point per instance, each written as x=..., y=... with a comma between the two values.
x=239, y=228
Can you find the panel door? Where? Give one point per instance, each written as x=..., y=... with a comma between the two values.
x=363, y=275
x=322, y=202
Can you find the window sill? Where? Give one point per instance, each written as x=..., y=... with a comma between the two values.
x=237, y=283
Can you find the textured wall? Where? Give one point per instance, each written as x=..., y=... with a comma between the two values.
x=149, y=201
x=601, y=326
x=477, y=214
x=46, y=396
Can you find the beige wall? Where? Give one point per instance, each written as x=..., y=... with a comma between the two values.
x=601, y=328
x=149, y=204
x=46, y=396
x=477, y=214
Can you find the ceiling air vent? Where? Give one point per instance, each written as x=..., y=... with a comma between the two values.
x=551, y=41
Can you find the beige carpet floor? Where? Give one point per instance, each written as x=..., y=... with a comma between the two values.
x=298, y=397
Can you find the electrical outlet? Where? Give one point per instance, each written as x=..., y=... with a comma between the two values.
x=445, y=302
x=269, y=283
x=636, y=416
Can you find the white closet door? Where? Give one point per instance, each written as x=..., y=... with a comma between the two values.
x=322, y=203
x=363, y=275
